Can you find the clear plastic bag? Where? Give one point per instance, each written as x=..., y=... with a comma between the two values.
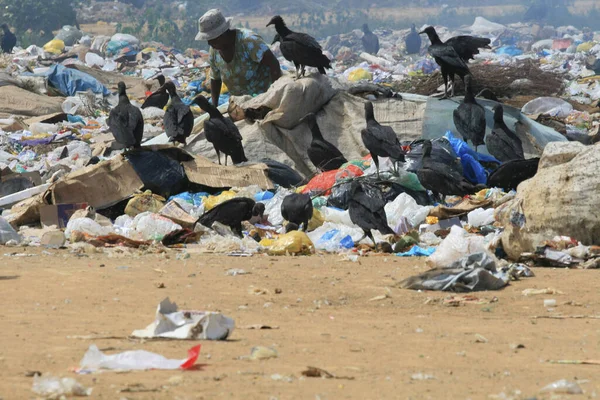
x=405, y=206
x=457, y=245
x=480, y=217
x=87, y=226
x=7, y=233
x=52, y=388
x=152, y=226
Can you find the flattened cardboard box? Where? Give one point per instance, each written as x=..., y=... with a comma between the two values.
x=204, y=172
x=101, y=185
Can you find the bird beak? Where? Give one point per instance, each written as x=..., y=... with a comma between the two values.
x=422, y=32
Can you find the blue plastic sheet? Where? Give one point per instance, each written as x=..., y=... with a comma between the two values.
x=192, y=198
x=70, y=81
x=417, y=251
x=510, y=50
x=470, y=159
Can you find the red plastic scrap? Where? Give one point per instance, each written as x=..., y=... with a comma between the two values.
x=193, y=354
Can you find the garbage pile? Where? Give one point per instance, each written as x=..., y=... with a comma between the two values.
x=60, y=169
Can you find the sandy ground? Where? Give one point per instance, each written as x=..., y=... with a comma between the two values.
x=56, y=304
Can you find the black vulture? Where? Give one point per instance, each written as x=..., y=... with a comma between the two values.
x=297, y=209
x=467, y=46
x=367, y=210
x=440, y=179
x=222, y=133
x=9, y=40
x=179, y=120
x=324, y=155
x=502, y=142
x=510, y=174
x=231, y=213
x=381, y=141
x=125, y=121
x=469, y=117
x=301, y=49
x=453, y=55
x=369, y=40
x=413, y=41
x=159, y=98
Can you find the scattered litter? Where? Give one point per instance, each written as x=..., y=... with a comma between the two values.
x=535, y=292
x=52, y=388
x=315, y=372
x=563, y=386
x=421, y=377
x=94, y=360
x=262, y=353
x=172, y=323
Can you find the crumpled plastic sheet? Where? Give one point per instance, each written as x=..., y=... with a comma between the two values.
x=417, y=251
x=70, y=81
x=475, y=272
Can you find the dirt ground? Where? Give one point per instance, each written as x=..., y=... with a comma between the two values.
x=56, y=304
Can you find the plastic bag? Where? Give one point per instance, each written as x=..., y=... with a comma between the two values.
x=55, y=46
x=334, y=238
x=95, y=360
x=316, y=221
x=563, y=386
x=87, y=226
x=470, y=159
x=456, y=245
x=51, y=388
x=94, y=60
x=294, y=242
x=69, y=35
x=125, y=37
x=405, y=206
x=552, y=106
x=144, y=202
x=211, y=202
x=480, y=217
x=152, y=226
x=360, y=74
x=7, y=233
x=273, y=206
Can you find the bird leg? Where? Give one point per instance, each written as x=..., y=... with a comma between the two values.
x=370, y=235
x=225, y=159
x=452, y=80
x=445, y=96
x=219, y=156
x=362, y=237
x=303, y=71
x=305, y=227
x=376, y=161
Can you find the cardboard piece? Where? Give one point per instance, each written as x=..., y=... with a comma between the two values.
x=204, y=172
x=101, y=185
x=17, y=101
x=175, y=213
x=59, y=214
x=27, y=211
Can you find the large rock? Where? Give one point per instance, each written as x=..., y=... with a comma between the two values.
x=561, y=199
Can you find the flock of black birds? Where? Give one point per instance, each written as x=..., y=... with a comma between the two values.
x=366, y=204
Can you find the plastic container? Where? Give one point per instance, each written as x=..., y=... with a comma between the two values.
x=7, y=233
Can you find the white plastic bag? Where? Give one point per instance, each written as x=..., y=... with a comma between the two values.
x=87, y=226
x=458, y=244
x=405, y=206
x=331, y=237
x=480, y=217
x=94, y=60
x=95, y=360
x=153, y=226
x=552, y=106
x=273, y=206
x=125, y=37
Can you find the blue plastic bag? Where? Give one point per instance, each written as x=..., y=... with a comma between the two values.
x=510, y=50
x=70, y=81
x=417, y=251
x=470, y=159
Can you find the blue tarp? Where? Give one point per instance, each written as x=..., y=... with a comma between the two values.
x=70, y=81
x=510, y=50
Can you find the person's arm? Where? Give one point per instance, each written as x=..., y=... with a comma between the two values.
x=270, y=61
x=215, y=91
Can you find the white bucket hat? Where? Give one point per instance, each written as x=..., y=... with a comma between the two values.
x=212, y=25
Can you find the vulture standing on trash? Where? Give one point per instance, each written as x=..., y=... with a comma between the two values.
x=503, y=143
x=178, y=120
x=232, y=213
x=369, y=40
x=413, y=41
x=125, y=121
x=297, y=209
x=222, y=133
x=367, y=210
x=453, y=55
x=324, y=155
x=159, y=98
x=510, y=174
x=301, y=49
x=381, y=141
x=469, y=117
x=9, y=40
x=440, y=179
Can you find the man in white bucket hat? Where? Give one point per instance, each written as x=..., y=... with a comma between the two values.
x=237, y=57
